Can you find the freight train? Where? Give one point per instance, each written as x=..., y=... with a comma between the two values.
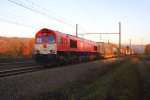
x=53, y=47
x=108, y=50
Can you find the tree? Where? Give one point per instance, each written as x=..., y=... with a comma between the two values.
x=147, y=49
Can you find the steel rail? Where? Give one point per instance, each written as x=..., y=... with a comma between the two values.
x=11, y=72
x=17, y=62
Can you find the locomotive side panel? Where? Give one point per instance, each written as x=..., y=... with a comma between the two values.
x=62, y=42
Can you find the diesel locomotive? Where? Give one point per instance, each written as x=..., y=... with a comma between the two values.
x=53, y=47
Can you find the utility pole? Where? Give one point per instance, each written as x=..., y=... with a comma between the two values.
x=76, y=30
x=130, y=46
x=120, y=38
x=108, y=40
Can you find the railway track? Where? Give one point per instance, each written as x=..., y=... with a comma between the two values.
x=27, y=69
x=16, y=71
x=23, y=67
x=21, y=70
x=14, y=63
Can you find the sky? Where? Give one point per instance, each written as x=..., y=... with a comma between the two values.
x=23, y=18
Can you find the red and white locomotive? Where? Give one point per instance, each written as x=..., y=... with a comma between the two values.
x=53, y=47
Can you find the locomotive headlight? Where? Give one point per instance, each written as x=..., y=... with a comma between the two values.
x=52, y=51
x=44, y=34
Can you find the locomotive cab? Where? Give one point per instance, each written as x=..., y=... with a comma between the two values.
x=45, y=44
x=45, y=47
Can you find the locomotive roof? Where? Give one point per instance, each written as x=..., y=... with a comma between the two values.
x=57, y=32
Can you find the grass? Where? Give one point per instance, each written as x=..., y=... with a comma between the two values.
x=145, y=79
x=118, y=81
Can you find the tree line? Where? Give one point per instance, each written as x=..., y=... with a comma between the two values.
x=16, y=47
x=147, y=49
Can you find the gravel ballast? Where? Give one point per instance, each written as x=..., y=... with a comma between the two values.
x=18, y=87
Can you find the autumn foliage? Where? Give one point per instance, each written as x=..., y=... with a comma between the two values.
x=147, y=49
x=16, y=47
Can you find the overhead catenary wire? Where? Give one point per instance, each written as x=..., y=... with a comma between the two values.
x=13, y=19
x=56, y=15
x=39, y=12
x=17, y=23
x=65, y=20
x=16, y=17
x=42, y=10
x=87, y=10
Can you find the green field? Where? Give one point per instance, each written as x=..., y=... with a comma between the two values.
x=127, y=80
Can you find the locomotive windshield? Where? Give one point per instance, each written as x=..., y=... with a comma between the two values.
x=40, y=39
x=50, y=39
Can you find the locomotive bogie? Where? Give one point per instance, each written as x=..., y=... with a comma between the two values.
x=45, y=59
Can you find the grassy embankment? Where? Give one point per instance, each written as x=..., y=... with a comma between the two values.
x=123, y=81
x=144, y=68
